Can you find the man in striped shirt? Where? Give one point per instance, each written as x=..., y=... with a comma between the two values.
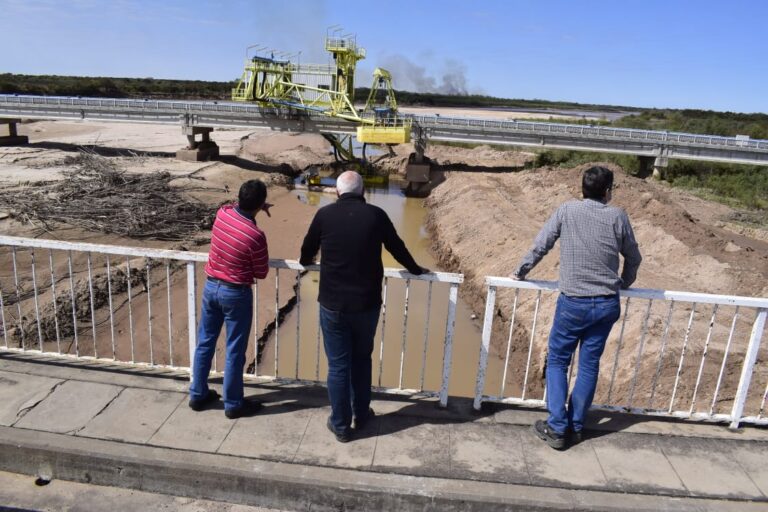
x=238, y=256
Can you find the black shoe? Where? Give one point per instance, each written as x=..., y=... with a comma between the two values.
x=249, y=408
x=576, y=437
x=203, y=403
x=359, y=423
x=543, y=431
x=343, y=437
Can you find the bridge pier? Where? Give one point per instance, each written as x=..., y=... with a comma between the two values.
x=652, y=166
x=13, y=138
x=198, y=151
x=418, y=168
x=659, y=164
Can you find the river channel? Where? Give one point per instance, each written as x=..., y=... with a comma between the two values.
x=408, y=216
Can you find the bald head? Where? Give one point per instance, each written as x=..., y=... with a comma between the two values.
x=349, y=181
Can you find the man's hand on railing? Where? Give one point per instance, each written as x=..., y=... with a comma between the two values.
x=516, y=277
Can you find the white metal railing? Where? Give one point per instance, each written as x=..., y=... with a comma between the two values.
x=587, y=131
x=676, y=354
x=712, y=324
x=64, y=299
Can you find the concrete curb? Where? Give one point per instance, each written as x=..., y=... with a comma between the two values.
x=300, y=487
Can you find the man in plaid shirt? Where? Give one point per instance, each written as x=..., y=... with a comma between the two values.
x=592, y=235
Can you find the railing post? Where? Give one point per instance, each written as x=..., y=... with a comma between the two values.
x=448, y=351
x=749, y=365
x=490, y=305
x=191, y=315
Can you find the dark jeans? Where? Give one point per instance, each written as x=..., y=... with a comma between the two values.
x=233, y=306
x=348, y=341
x=577, y=319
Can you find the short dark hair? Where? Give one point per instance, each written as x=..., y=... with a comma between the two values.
x=252, y=195
x=596, y=182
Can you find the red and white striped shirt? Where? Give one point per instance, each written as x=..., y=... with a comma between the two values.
x=238, y=248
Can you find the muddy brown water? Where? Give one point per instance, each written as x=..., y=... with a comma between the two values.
x=408, y=216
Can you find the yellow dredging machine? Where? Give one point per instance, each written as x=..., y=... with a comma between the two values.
x=328, y=89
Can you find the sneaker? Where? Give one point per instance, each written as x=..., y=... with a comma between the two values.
x=544, y=432
x=249, y=408
x=202, y=403
x=576, y=437
x=343, y=437
x=359, y=423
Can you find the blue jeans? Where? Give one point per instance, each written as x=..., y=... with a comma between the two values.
x=348, y=341
x=233, y=306
x=577, y=319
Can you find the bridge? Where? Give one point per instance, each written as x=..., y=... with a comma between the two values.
x=94, y=358
x=654, y=148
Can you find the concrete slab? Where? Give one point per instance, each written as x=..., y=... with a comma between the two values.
x=636, y=464
x=575, y=467
x=487, y=452
x=70, y=407
x=753, y=459
x=186, y=429
x=295, y=486
x=134, y=416
x=273, y=434
x=201, y=154
x=411, y=446
x=118, y=374
x=20, y=392
x=709, y=468
x=319, y=447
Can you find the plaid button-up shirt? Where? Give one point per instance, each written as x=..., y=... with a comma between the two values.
x=592, y=235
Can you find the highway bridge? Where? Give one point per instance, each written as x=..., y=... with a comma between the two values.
x=652, y=146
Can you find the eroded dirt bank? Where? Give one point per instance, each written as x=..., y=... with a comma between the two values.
x=482, y=223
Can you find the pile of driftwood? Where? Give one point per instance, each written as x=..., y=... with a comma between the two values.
x=98, y=196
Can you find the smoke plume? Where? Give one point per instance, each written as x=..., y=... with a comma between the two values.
x=409, y=76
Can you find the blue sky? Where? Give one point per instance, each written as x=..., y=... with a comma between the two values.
x=680, y=54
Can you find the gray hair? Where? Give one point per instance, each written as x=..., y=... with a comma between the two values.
x=349, y=181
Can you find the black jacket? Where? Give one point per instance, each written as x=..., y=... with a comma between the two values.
x=349, y=234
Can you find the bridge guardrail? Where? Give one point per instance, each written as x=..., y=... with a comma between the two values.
x=536, y=128
x=104, y=302
x=697, y=355
x=586, y=130
x=670, y=361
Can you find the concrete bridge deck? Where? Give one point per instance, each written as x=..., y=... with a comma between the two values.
x=130, y=427
x=655, y=145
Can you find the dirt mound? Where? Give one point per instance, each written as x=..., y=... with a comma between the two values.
x=298, y=150
x=482, y=224
x=454, y=158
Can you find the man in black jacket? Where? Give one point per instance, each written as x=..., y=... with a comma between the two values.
x=349, y=235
